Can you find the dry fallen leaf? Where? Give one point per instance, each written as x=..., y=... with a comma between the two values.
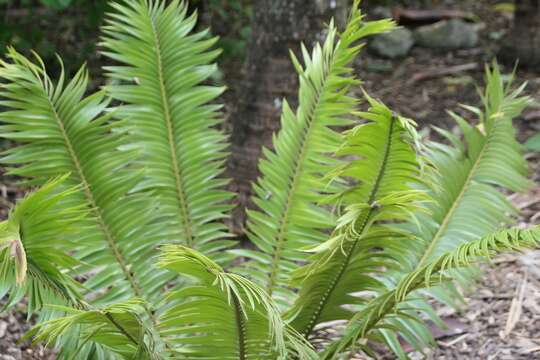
x=515, y=308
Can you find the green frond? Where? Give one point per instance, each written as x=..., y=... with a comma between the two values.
x=222, y=315
x=59, y=131
x=364, y=227
x=119, y=328
x=161, y=82
x=513, y=239
x=34, y=261
x=467, y=181
x=219, y=315
x=384, y=172
x=467, y=204
x=384, y=312
x=292, y=181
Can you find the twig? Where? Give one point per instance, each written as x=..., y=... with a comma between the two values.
x=453, y=342
x=25, y=12
x=434, y=73
x=515, y=308
x=531, y=350
x=420, y=17
x=493, y=297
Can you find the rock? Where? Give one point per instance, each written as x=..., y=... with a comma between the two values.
x=7, y=357
x=393, y=44
x=447, y=34
x=381, y=12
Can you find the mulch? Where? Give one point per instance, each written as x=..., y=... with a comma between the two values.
x=502, y=316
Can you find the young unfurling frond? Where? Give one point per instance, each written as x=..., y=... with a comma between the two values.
x=466, y=205
x=118, y=328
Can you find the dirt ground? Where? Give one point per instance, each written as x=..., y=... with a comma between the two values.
x=502, y=319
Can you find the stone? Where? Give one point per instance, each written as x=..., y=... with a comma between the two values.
x=447, y=35
x=381, y=12
x=394, y=44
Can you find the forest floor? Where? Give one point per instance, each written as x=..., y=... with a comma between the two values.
x=502, y=318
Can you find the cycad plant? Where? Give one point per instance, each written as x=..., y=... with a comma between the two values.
x=122, y=252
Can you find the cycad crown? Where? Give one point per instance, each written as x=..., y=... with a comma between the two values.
x=123, y=251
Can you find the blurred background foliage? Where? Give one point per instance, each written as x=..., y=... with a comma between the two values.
x=71, y=28
x=66, y=27
x=230, y=19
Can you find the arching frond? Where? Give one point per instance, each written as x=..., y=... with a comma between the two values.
x=467, y=198
x=60, y=131
x=466, y=186
x=223, y=315
x=385, y=170
x=119, y=328
x=32, y=248
x=35, y=262
x=467, y=202
x=220, y=315
x=382, y=312
x=161, y=83
x=292, y=175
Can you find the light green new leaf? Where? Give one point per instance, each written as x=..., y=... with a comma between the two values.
x=467, y=203
x=119, y=328
x=219, y=315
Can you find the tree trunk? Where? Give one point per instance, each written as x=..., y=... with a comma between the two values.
x=268, y=77
x=523, y=42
